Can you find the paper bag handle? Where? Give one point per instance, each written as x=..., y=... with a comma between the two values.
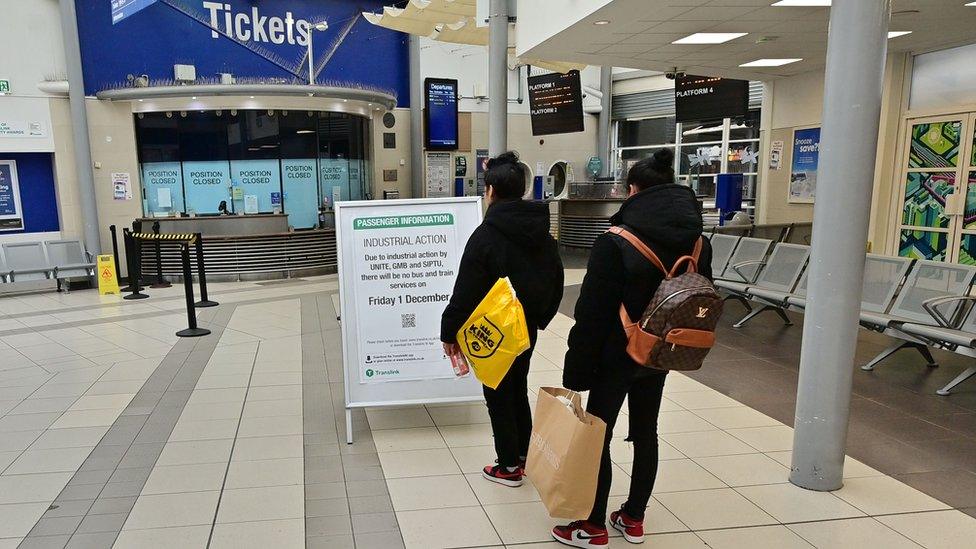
x=573, y=397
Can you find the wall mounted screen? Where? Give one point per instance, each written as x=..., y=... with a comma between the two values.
x=556, y=101
x=705, y=98
x=440, y=114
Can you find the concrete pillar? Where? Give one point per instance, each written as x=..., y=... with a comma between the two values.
x=79, y=126
x=856, y=49
x=497, y=77
x=416, y=120
x=603, y=131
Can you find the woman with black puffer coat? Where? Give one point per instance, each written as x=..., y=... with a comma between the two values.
x=667, y=217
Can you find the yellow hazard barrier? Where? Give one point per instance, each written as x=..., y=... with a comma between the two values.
x=189, y=237
x=108, y=282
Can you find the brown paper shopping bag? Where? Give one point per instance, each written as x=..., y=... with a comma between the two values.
x=564, y=454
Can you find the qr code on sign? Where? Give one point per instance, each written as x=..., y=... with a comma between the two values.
x=408, y=320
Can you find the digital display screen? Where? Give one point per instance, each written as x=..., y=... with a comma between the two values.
x=706, y=98
x=556, y=102
x=441, y=114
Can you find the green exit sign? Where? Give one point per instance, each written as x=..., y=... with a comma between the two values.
x=4, y=86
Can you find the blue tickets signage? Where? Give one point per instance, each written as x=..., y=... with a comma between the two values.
x=124, y=8
x=258, y=39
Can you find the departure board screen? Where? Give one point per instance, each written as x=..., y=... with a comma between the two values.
x=441, y=114
x=705, y=98
x=556, y=101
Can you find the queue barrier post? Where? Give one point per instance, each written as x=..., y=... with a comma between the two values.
x=202, y=275
x=115, y=254
x=191, y=313
x=132, y=257
x=160, y=282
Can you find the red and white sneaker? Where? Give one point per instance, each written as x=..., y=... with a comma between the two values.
x=581, y=533
x=632, y=529
x=501, y=475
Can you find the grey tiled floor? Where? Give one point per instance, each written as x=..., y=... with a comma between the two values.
x=115, y=434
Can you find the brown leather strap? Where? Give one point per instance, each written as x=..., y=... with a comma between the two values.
x=640, y=246
x=644, y=250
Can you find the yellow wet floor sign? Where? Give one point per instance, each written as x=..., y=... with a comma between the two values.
x=108, y=283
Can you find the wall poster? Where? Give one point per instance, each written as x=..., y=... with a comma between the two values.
x=11, y=211
x=121, y=186
x=806, y=159
x=439, y=171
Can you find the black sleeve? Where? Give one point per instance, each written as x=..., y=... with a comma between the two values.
x=597, y=313
x=559, y=280
x=705, y=260
x=474, y=279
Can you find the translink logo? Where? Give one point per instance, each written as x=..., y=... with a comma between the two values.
x=254, y=27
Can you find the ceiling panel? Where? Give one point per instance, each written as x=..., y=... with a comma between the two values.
x=641, y=32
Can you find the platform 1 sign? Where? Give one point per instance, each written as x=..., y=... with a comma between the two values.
x=397, y=267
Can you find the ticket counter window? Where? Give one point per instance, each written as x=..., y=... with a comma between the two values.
x=294, y=162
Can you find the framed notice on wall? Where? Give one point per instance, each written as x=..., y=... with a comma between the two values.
x=806, y=161
x=439, y=180
x=397, y=265
x=11, y=211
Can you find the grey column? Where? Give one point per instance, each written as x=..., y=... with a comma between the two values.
x=416, y=120
x=497, y=77
x=856, y=49
x=79, y=125
x=603, y=131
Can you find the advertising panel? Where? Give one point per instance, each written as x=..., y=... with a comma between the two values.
x=806, y=159
x=11, y=212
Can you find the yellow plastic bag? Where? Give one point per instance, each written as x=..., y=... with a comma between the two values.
x=495, y=334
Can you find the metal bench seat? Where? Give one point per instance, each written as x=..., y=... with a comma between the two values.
x=69, y=259
x=27, y=261
x=779, y=274
x=940, y=334
x=928, y=281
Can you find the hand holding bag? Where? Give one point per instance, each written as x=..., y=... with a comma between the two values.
x=564, y=454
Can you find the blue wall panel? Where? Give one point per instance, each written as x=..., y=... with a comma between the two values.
x=38, y=198
x=161, y=35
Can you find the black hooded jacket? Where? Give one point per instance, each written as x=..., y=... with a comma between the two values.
x=668, y=219
x=513, y=241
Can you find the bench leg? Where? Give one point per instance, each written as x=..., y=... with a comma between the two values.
x=959, y=379
x=736, y=297
x=756, y=312
x=922, y=349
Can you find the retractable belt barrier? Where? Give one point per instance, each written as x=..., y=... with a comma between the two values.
x=160, y=281
x=185, y=240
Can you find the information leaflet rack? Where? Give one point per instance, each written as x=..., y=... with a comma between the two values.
x=398, y=261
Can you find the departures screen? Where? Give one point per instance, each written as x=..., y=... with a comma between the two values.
x=441, y=114
x=556, y=101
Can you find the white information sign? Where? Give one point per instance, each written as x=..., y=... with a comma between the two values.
x=121, y=186
x=439, y=181
x=397, y=265
x=22, y=128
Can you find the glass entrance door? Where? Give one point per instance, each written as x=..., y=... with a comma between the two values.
x=935, y=196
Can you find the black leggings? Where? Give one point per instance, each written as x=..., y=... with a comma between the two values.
x=511, y=417
x=644, y=402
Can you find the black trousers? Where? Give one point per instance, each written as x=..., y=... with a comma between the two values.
x=644, y=403
x=508, y=408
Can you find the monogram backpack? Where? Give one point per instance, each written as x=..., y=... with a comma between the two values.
x=677, y=328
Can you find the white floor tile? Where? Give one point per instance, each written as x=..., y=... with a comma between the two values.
x=419, y=463
x=775, y=438
x=851, y=533
x=521, y=522
x=172, y=479
x=415, y=493
x=737, y=417
x=467, y=435
x=34, y=488
x=761, y=537
x=195, y=451
x=270, y=472
x=392, y=440
x=789, y=503
x=492, y=493
x=190, y=537
x=398, y=418
x=712, y=509
x=707, y=443
x=935, y=530
x=164, y=510
x=19, y=518
x=281, y=534
x=745, y=469
x=885, y=495
x=447, y=528
x=53, y=460
x=680, y=475
x=268, y=503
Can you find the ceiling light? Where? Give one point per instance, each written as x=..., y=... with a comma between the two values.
x=802, y=3
x=971, y=4
x=305, y=131
x=194, y=98
x=252, y=97
x=770, y=62
x=602, y=22
x=141, y=100
x=896, y=34
x=710, y=37
x=269, y=146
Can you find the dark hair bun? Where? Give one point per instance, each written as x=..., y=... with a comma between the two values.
x=510, y=158
x=664, y=159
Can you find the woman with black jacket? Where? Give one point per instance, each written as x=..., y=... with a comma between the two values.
x=667, y=218
x=513, y=241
